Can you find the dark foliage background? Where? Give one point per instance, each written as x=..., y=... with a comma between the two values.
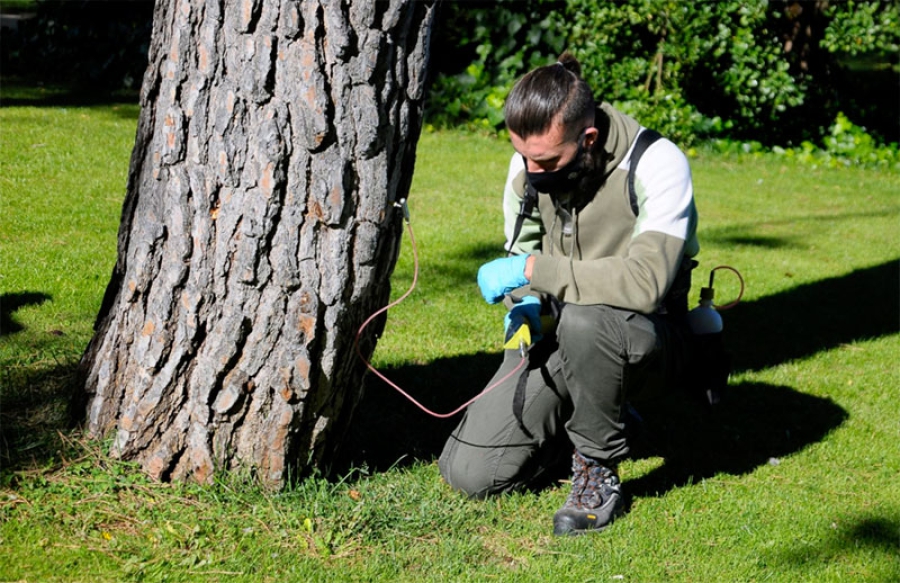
x=88, y=45
x=779, y=73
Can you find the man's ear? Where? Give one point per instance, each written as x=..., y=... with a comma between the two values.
x=591, y=135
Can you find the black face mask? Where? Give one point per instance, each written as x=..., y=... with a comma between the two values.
x=564, y=179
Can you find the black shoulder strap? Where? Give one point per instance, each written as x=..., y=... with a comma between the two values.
x=529, y=199
x=643, y=142
x=526, y=207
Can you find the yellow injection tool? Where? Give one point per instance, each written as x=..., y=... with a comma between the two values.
x=518, y=334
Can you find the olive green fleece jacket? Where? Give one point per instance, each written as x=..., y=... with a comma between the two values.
x=598, y=252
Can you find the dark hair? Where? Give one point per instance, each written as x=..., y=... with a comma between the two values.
x=547, y=94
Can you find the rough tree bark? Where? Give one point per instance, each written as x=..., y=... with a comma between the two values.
x=257, y=233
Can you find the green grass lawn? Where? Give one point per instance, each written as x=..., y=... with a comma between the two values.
x=795, y=478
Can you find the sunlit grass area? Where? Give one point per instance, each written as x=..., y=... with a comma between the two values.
x=795, y=478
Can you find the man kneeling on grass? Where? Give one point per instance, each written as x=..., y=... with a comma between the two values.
x=610, y=262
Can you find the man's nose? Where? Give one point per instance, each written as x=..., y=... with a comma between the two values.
x=532, y=166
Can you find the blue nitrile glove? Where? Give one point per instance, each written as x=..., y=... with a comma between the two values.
x=529, y=308
x=501, y=276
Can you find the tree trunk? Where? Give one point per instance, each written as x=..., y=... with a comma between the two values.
x=258, y=232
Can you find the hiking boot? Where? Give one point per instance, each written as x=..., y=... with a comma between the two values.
x=594, y=502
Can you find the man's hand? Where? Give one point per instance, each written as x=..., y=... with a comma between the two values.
x=528, y=308
x=501, y=276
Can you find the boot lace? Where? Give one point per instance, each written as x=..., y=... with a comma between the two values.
x=592, y=483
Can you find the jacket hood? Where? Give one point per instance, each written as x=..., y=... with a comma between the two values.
x=621, y=133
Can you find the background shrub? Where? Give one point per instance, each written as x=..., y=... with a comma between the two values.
x=83, y=43
x=771, y=72
x=777, y=72
x=480, y=49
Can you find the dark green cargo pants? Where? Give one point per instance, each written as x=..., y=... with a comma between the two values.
x=575, y=394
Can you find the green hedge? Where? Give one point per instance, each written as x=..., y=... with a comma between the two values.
x=777, y=73
x=767, y=71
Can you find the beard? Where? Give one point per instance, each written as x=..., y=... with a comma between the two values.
x=593, y=173
x=593, y=165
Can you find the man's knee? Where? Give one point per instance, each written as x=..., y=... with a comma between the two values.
x=466, y=471
x=590, y=332
x=471, y=483
x=481, y=471
x=601, y=330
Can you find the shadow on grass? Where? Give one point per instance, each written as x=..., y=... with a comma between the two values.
x=757, y=425
x=814, y=317
x=9, y=303
x=388, y=430
x=453, y=272
x=72, y=98
x=481, y=253
x=758, y=422
x=18, y=92
x=760, y=241
x=34, y=406
x=878, y=536
x=748, y=233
